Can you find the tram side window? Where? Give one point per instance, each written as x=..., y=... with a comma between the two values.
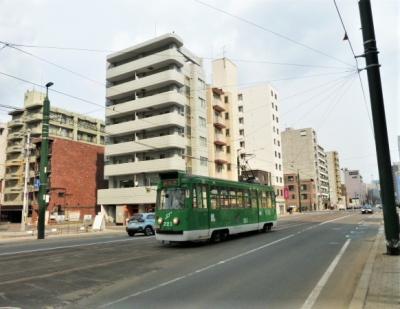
x=197, y=197
x=264, y=203
x=253, y=197
x=240, y=202
x=194, y=198
x=269, y=200
x=204, y=194
x=246, y=198
x=214, y=198
x=233, y=199
x=224, y=199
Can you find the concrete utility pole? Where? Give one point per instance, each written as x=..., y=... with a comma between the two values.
x=25, y=206
x=43, y=198
x=391, y=219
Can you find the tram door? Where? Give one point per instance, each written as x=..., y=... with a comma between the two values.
x=200, y=220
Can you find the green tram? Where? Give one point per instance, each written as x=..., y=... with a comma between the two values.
x=192, y=208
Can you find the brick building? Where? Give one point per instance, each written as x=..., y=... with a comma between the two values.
x=308, y=192
x=75, y=175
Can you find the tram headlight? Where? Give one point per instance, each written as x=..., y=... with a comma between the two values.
x=160, y=221
x=175, y=221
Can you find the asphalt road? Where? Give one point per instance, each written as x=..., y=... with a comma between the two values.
x=309, y=261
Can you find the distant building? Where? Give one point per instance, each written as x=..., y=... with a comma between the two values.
x=396, y=180
x=64, y=125
x=308, y=197
x=355, y=187
x=335, y=184
x=3, y=146
x=374, y=192
x=259, y=141
x=222, y=120
x=303, y=154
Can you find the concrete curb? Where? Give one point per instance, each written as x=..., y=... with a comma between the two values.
x=360, y=294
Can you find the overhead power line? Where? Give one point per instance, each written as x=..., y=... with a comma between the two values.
x=347, y=38
x=255, y=61
x=282, y=36
x=54, y=64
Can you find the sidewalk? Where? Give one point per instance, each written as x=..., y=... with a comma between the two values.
x=379, y=285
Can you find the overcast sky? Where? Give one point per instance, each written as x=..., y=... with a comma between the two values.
x=327, y=98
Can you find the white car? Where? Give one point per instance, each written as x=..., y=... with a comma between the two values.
x=341, y=207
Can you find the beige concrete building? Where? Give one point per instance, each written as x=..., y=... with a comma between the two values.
x=222, y=120
x=3, y=146
x=259, y=139
x=156, y=121
x=355, y=188
x=335, y=183
x=303, y=154
x=63, y=124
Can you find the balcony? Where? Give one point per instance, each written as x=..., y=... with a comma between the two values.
x=219, y=139
x=36, y=131
x=15, y=123
x=15, y=148
x=13, y=190
x=17, y=161
x=34, y=117
x=160, y=142
x=160, y=59
x=175, y=163
x=147, y=83
x=13, y=175
x=220, y=157
x=146, y=103
x=219, y=122
x=15, y=135
x=155, y=122
x=218, y=105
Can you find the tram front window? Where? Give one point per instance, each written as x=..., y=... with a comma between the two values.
x=172, y=198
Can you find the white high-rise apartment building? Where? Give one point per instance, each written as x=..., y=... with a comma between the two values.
x=259, y=139
x=3, y=146
x=355, y=187
x=222, y=120
x=302, y=154
x=156, y=121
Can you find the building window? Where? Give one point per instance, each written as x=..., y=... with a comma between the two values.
x=274, y=141
x=240, y=109
x=276, y=154
x=226, y=99
x=279, y=155
x=228, y=149
x=241, y=132
x=290, y=187
x=293, y=196
x=226, y=116
x=276, y=166
x=276, y=97
x=240, y=97
x=277, y=131
x=273, y=117
x=203, y=141
x=280, y=167
x=272, y=105
x=276, y=107
x=303, y=133
x=277, y=179
x=202, y=103
x=304, y=196
x=279, y=143
x=277, y=119
x=241, y=120
x=272, y=93
x=242, y=144
x=203, y=161
x=273, y=129
x=229, y=166
x=281, y=179
x=202, y=122
x=290, y=178
x=227, y=132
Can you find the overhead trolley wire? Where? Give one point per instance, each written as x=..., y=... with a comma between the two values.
x=356, y=62
x=282, y=36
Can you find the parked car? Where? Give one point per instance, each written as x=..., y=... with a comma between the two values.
x=367, y=209
x=341, y=207
x=141, y=223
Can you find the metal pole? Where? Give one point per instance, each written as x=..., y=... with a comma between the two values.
x=43, y=198
x=390, y=216
x=26, y=179
x=298, y=189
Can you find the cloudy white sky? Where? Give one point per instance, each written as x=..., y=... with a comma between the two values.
x=325, y=98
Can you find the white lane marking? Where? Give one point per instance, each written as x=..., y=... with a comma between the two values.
x=195, y=272
x=72, y=246
x=213, y=265
x=310, y=301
